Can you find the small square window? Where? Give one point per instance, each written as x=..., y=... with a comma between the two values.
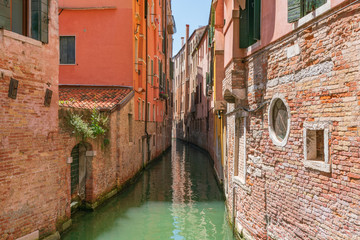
x=316, y=146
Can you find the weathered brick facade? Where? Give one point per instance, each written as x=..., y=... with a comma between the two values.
x=110, y=167
x=34, y=184
x=284, y=195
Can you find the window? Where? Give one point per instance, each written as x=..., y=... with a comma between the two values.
x=143, y=110
x=25, y=17
x=240, y=150
x=279, y=118
x=152, y=72
x=148, y=111
x=279, y=121
x=148, y=77
x=316, y=146
x=136, y=54
x=250, y=23
x=154, y=119
x=152, y=12
x=67, y=49
x=300, y=8
x=130, y=127
x=139, y=109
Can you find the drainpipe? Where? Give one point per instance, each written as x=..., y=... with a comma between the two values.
x=146, y=83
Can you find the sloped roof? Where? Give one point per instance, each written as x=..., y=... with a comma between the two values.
x=87, y=97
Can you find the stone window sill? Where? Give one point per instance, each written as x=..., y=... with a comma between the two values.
x=317, y=165
x=252, y=48
x=19, y=37
x=238, y=181
x=317, y=12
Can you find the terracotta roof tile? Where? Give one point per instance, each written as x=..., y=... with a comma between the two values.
x=88, y=97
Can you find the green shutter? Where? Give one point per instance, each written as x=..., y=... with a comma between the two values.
x=152, y=72
x=5, y=14
x=257, y=19
x=163, y=42
x=171, y=69
x=35, y=19
x=160, y=73
x=247, y=17
x=244, y=23
x=39, y=20
x=294, y=10
x=44, y=21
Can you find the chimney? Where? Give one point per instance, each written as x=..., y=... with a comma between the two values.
x=182, y=41
x=187, y=32
x=187, y=51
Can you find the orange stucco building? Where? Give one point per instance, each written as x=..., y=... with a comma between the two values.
x=117, y=53
x=104, y=43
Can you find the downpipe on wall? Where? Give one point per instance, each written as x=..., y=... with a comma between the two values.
x=146, y=88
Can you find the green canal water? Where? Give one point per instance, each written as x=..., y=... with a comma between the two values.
x=177, y=198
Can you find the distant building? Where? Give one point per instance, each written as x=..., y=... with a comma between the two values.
x=105, y=49
x=199, y=105
x=282, y=101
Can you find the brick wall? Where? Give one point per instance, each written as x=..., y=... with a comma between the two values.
x=284, y=198
x=34, y=187
x=122, y=159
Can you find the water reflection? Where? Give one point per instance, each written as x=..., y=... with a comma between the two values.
x=177, y=198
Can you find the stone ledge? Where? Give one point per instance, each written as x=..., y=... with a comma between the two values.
x=243, y=186
x=31, y=236
x=19, y=37
x=317, y=165
x=55, y=236
x=66, y=225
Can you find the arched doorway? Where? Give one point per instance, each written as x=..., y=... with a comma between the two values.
x=80, y=170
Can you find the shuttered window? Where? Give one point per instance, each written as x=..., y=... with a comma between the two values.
x=14, y=16
x=152, y=72
x=250, y=23
x=67, y=49
x=300, y=8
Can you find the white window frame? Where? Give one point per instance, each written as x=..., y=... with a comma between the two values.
x=272, y=134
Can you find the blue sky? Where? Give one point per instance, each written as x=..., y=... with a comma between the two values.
x=192, y=12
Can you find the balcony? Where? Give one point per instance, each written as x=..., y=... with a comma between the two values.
x=171, y=27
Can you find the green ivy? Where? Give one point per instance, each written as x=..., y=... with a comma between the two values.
x=97, y=126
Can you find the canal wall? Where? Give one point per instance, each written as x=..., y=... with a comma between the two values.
x=301, y=182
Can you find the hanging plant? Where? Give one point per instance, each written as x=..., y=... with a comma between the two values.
x=85, y=127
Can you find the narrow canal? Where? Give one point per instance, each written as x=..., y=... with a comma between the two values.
x=177, y=198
